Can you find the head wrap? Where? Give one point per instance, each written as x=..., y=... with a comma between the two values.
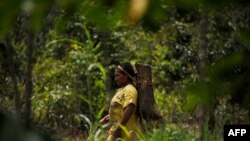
x=124, y=71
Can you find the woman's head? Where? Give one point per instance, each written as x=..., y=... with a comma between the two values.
x=124, y=73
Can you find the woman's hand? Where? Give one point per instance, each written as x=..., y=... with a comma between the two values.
x=117, y=133
x=104, y=120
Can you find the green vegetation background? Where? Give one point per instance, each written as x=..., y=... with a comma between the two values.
x=57, y=60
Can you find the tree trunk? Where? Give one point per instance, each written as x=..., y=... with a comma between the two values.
x=28, y=79
x=107, y=63
x=12, y=69
x=203, y=28
x=36, y=41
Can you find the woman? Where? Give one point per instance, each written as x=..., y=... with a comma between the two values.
x=122, y=111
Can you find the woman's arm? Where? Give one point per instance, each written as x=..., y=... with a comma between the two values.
x=104, y=119
x=128, y=111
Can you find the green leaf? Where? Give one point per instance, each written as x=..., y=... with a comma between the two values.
x=85, y=99
x=99, y=114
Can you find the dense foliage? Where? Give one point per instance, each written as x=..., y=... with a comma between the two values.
x=57, y=63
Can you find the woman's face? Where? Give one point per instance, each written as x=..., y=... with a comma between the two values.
x=120, y=78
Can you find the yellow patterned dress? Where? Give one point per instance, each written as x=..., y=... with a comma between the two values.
x=123, y=97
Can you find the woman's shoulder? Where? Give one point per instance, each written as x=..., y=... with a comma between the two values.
x=130, y=87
